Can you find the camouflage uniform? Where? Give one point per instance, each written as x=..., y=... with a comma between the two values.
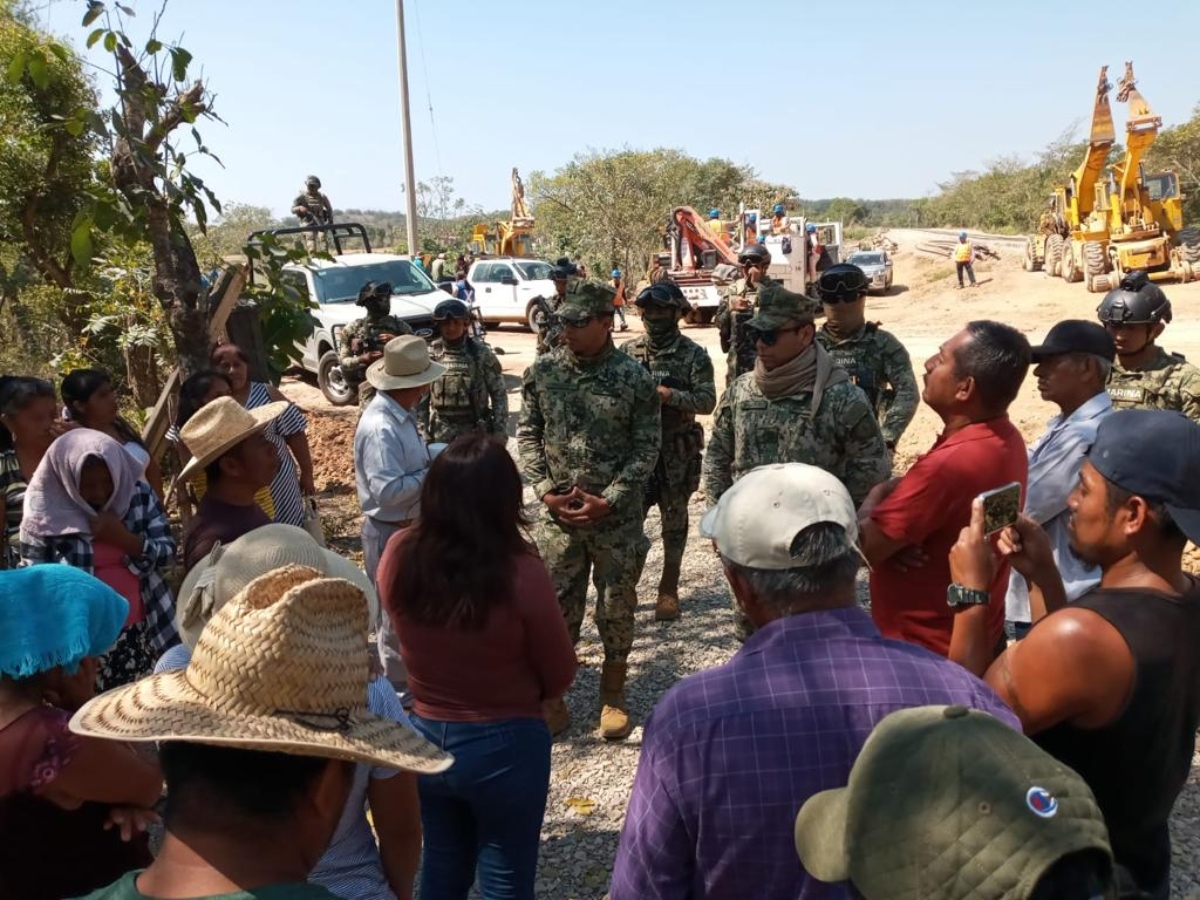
x=731, y=323
x=592, y=423
x=319, y=207
x=878, y=363
x=1167, y=381
x=685, y=367
x=364, y=336
x=469, y=397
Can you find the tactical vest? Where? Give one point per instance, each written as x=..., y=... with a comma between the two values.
x=459, y=395
x=846, y=356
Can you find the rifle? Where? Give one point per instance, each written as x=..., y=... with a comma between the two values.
x=547, y=322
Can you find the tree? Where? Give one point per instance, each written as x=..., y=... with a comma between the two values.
x=847, y=211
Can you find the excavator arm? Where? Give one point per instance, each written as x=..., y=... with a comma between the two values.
x=1081, y=193
x=1140, y=131
x=694, y=238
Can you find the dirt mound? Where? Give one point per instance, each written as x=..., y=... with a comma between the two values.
x=331, y=442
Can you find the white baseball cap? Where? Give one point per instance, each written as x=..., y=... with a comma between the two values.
x=755, y=521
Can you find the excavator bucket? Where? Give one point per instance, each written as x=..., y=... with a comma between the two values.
x=1141, y=116
x=1103, y=131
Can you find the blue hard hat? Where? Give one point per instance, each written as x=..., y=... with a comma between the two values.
x=616, y=273
x=714, y=214
x=962, y=234
x=810, y=227
x=778, y=209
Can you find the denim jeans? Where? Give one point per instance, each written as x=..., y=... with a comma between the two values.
x=486, y=810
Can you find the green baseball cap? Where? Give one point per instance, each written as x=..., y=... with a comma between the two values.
x=776, y=306
x=945, y=803
x=586, y=299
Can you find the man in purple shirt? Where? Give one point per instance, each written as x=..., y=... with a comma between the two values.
x=729, y=755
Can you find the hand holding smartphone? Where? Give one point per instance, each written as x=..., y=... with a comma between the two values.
x=1001, y=507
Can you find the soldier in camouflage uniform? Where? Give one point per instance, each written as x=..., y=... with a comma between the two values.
x=589, y=436
x=362, y=341
x=873, y=358
x=1145, y=376
x=471, y=395
x=798, y=405
x=683, y=372
x=736, y=308
x=311, y=206
x=565, y=276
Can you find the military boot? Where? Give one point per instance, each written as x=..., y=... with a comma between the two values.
x=614, y=713
x=557, y=716
x=667, y=608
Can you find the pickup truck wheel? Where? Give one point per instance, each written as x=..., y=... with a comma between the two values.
x=332, y=382
x=531, y=318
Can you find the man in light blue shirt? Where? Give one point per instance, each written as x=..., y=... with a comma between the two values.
x=1071, y=367
x=390, y=462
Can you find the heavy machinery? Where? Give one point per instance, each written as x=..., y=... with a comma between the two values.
x=511, y=238
x=1072, y=224
x=693, y=252
x=1145, y=213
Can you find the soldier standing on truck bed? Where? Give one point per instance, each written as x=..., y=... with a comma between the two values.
x=311, y=206
x=470, y=396
x=362, y=341
x=683, y=372
x=736, y=308
x=874, y=359
x=1145, y=376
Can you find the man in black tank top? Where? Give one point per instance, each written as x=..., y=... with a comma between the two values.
x=1110, y=684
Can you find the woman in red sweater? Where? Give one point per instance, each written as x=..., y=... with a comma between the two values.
x=485, y=644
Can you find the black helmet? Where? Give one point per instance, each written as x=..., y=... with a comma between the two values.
x=451, y=309
x=1135, y=301
x=312, y=181
x=843, y=281
x=755, y=254
x=372, y=291
x=663, y=293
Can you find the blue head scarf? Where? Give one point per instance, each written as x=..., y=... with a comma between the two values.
x=55, y=615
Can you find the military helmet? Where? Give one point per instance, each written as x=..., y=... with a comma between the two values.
x=755, y=254
x=663, y=293
x=374, y=291
x=451, y=309
x=1135, y=301
x=843, y=281
x=563, y=271
x=312, y=181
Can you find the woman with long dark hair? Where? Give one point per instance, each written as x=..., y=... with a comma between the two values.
x=91, y=400
x=28, y=424
x=485, y=645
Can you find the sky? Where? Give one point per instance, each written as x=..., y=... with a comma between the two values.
x=871, y=99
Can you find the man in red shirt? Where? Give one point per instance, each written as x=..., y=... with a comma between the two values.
x=909, y=524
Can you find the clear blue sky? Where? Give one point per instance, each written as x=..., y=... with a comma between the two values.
x=877, y=98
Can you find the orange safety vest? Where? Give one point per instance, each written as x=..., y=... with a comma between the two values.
x=962, y=252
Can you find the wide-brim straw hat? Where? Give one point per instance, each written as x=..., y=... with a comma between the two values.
x=283, y=667
x=405, y=364
x=221, y=425
x=228, y=568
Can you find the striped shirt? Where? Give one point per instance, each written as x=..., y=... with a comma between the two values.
x=285, y=489
x=12, y=493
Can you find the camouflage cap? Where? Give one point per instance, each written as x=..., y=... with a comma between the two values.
x=587, y=298
x=776, y=306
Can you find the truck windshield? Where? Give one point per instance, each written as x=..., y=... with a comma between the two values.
x=341, y=284
x=533, y=271
x=866, y=259
x=1162, y=186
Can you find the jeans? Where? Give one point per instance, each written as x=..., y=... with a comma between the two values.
x=486, y=810
x=620, y=314
x=960, y=267
x=375, y=535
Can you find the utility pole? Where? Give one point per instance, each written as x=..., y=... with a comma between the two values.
x=410, y=179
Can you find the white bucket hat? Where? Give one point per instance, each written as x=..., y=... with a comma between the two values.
x=405, y=364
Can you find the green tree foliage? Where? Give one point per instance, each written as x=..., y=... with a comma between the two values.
x=611, y=208
x=1178, y=148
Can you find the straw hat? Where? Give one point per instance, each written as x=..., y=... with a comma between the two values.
x=282, y=667
x=405, y=364
x=218, y=427
x=228, y=568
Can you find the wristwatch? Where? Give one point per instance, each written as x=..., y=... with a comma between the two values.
x=957, y=595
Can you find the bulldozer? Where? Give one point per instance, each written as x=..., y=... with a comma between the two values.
x=511, y=238
x=1072, y=235
x=1145, y=211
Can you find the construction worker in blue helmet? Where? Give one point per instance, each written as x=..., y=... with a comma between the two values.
x=618, y=286
x=717, y=226
x=964, y=259
x=779, y=221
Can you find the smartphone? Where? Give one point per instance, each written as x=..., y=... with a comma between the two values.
x=1001, y=507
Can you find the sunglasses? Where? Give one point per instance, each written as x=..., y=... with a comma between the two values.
x=769, y=336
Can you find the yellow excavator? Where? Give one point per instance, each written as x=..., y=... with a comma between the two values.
x=511, y=238
x=1145, y=211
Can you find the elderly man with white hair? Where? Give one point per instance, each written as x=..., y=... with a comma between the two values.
x=730, y=754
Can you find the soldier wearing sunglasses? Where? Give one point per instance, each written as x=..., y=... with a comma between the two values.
x=874, y=359
x=797, y=405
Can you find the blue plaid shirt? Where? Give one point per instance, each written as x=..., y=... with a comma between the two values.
x=146, y=519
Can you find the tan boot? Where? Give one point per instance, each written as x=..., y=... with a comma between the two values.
x=557, y=716
x=667, y=608
x=614, y=713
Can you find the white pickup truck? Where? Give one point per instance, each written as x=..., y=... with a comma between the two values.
x=505, y=288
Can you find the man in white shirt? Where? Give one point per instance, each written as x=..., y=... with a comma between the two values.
x=390, y=462
x=1071, y=367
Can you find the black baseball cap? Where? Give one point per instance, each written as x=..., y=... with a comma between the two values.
x=1155, y=454
x=1076, y=336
